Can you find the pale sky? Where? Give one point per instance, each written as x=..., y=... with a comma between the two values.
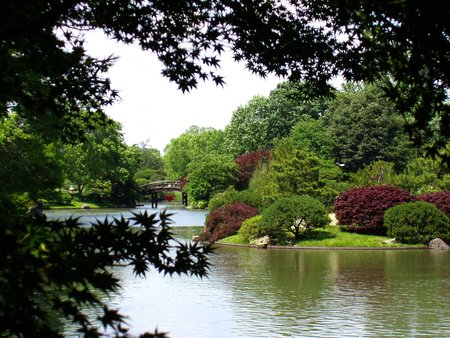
x=154, y=108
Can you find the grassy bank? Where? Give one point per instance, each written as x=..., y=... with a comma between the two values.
x=77, y=205
x=332, y=236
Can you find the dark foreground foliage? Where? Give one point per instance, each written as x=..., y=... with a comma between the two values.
x=417, y=222
x=226, y=221
x=50, y=268
x=362, y=209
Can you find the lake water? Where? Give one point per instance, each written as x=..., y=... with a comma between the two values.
x=292, y=293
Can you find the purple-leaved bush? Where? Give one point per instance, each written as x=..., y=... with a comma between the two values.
x=226, y=221
x=440, y=199
x=362, y=209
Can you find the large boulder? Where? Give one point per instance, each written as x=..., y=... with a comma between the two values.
x=262, y=242
x=85, y=206
x=438, y=244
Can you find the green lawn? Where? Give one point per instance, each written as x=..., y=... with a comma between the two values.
x=332, y=236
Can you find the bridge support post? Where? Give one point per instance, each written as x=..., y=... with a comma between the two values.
x=184, y=199
x=154, y=199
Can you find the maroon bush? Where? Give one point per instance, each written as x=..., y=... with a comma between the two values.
x=226, y=221
x=440, y=199
x=362, y=209
x=247, y=163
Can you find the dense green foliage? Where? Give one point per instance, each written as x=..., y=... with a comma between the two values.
x=250, y=229
x=366, y=128
x=193, y=143
x=375, y=173
x=296, y=214
x=226, y=221
x=312, y=135
x=424, y=176
x=290, y=172
x=362, y=209
x=266, y=119
x=51, y=268
x=230, y=196
x=105, y=163
x=208, y=175
x=417, y=222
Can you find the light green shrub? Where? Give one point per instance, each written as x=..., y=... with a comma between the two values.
x=249, y=229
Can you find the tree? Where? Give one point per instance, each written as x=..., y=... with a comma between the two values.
x=182, y=150
x=47, y=76
x=366, y=128
x=28, y=164
x=151, y=157
x=264, y=120
x=103, y=157
x=209, y=174
x=312, y=135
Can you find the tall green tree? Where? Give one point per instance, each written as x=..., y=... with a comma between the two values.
x=28, y=164
x=366, y=128
x=264, y=120
x=209, y=174
x=196, y=141
x=312, y=135
x=103, y=158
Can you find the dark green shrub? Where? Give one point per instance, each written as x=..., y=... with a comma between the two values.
x=64, y=198
x=250, y=229
x=15, y=204
x=362, y=209
x=226, y=221
x=417, y=222
x=296, y=214
x=230, y=196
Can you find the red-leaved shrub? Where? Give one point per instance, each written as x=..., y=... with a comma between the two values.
x=246, y=165
x=362, y=209
x=440, y=199
x=226, y=221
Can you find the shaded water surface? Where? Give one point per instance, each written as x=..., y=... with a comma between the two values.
x=297, y=293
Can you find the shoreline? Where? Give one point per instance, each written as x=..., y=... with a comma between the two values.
x=348, y=248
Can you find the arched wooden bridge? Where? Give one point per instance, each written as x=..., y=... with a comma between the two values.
x=153, y=188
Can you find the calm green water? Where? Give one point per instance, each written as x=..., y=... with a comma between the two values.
x=297, y=293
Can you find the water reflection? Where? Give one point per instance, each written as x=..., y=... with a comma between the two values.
x=279, y=293
x=181, y=216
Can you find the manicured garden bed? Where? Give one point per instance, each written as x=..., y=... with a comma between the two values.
x=331, y=236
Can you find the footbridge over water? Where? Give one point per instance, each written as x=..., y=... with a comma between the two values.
x=153, y=188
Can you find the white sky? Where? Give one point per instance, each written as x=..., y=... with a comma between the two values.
x=154, y=108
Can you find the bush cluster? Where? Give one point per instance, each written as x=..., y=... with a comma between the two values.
x=230, y=196
x=296, y=214
x=362, y=209
x=440, y=199
x=417, y=222
x=226, y=221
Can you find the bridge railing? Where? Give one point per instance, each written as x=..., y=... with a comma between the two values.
x=163, y=185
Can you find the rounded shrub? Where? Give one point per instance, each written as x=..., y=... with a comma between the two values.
x=362, y=209
x=297, y=214
x=230, y=196
x=226, y=221
x=417, y=222
x=250, y=229
x=440, y=199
